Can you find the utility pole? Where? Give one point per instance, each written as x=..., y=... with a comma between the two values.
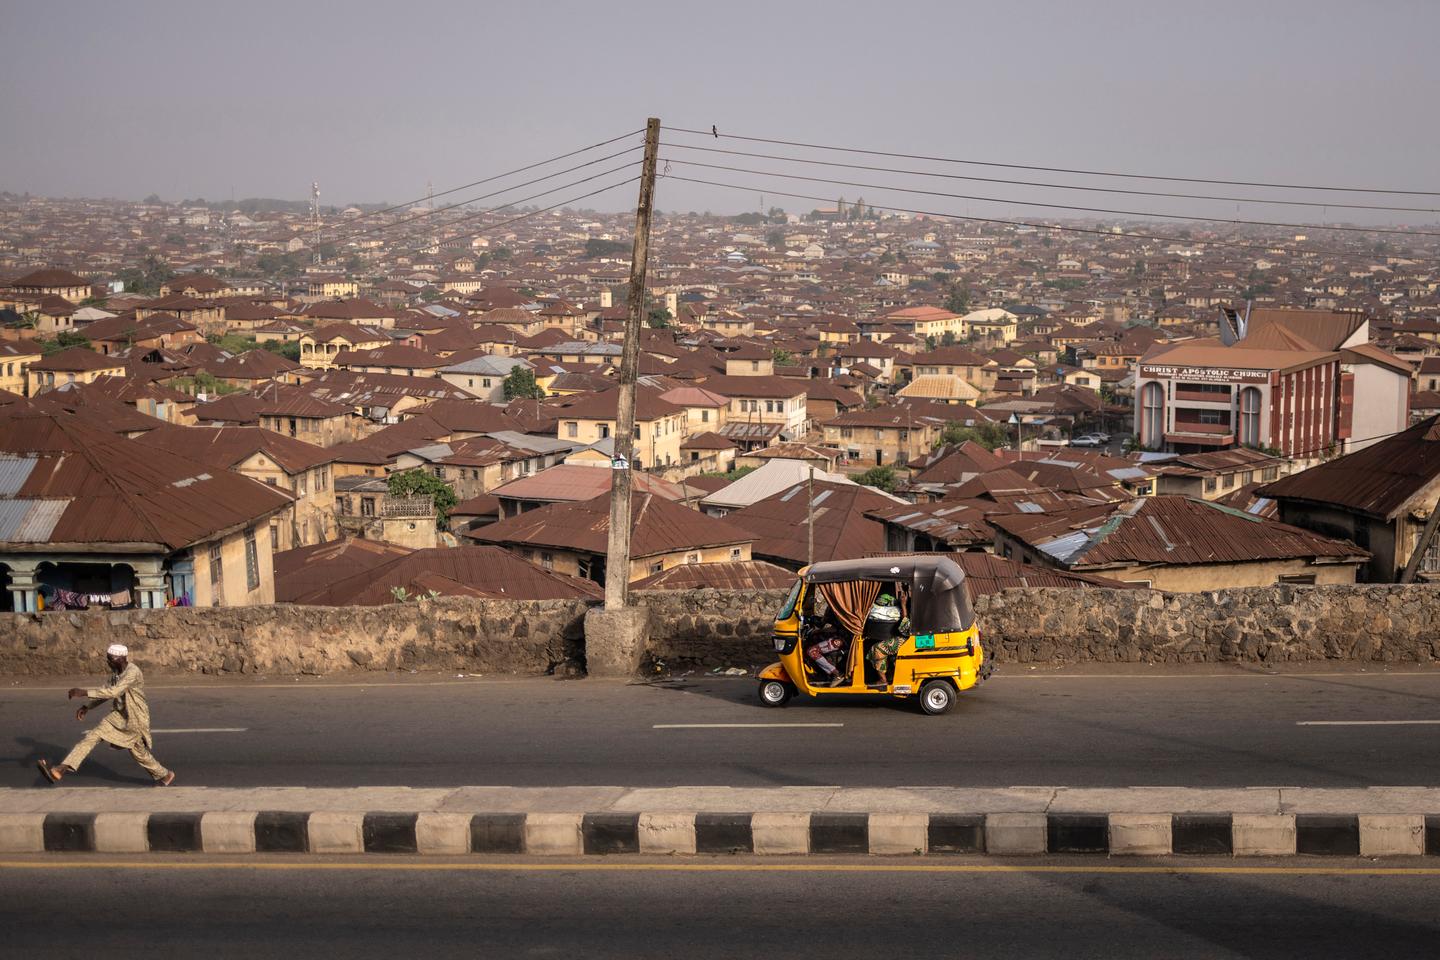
x=617, y=550
x=810, y=517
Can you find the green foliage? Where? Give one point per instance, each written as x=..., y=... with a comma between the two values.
x=782, y=358
x=1065, y=283
x=733, y=475
x=958, y=299
x=422, y=483
x=280, y=264
x=595, y=247
x=202, y=382
x=64, y=341
x=232, y=342
x=988, y=435
x=776, y=238
x=748, y=219
x=288, y=350
x=882, y=478
x=147, y=277
x=947, y=339
x=658, y=317
x=520, y=383
x=501, y=253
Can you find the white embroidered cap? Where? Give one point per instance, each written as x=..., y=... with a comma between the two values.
x=117, y=650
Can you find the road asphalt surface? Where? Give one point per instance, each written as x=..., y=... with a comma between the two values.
x=1154, y=727
x=702, y=907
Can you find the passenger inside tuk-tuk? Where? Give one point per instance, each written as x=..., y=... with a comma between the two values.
x=886, y=627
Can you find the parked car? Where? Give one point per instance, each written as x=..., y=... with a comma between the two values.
x=1087, y=440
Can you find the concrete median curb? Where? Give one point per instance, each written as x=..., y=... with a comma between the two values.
x=767, y=821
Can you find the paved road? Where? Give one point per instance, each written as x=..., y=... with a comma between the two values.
x=802, y=909
x=1238, y=729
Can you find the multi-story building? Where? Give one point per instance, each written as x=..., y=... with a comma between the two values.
x=1302, y=382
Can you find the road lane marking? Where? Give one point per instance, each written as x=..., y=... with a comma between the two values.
x=1367, y=723
x=201, y=730
x=733, y=726
x=671, y=867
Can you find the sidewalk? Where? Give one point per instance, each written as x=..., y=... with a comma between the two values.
x=1022, y=821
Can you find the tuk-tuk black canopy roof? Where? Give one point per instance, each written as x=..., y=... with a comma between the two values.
x=939, y=602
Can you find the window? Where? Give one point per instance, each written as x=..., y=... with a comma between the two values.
x=734, y=553
x=1209, y=484
x=1270, y=473
x=1299, y=579
x=1250, y=417
x=657, y=567
x=485, y=382
x=304, y=484
x=1152, y=410
x=367, y=506
x=547, y=560
x=252, y=561
x=270, y=481
x=217, y=569
x=704, y=416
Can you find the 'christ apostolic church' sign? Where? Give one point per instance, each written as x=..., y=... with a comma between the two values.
x=1204, y=374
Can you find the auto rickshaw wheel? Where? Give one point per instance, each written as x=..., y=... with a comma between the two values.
x=937, y=697
x=775, y=693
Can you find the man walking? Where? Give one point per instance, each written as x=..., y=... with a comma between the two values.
x=127, y=726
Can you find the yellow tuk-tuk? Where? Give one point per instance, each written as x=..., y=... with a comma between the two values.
x=897, y=626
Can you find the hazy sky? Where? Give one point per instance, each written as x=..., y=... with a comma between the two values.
x=373, y=99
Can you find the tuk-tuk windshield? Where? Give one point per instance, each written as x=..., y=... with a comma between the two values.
x=788, y=609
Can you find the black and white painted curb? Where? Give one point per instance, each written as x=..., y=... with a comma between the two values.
x=764, y=833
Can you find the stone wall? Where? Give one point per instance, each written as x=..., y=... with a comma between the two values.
x=470, y=635
x=1382, y=623
x=703, y=629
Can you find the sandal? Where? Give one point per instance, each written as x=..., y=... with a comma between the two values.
x=169, y=779
x=48, y=773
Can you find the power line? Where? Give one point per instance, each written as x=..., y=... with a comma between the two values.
x=1079, y=172
x=1142, y=214
x=1054, y=186
x=498, y=176
x=524, y=216
x=495, y=193
x=536, y=196
x=1093, y=231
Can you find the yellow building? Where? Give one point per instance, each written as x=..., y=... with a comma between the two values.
x=885, y=435
x=660, y=426
x=15, y=359
x=75, y=365
x=318, y=348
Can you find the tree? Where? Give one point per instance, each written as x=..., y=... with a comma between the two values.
x=947, y=339
x=776, y=238
x=64, y=340
x=882, y=478
x=596, y=247
x=658, y=317
x=988, y=435
x=520, y=383
x=501, y=253
x=421, y=483
x=147, y=277
x=232, y=342
x=958, y=300
x=290, y=350
x=781, y=357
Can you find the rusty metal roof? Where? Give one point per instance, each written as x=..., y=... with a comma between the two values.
x=117, y=490
x=778, y=523
x=732, y=575
x=1176, y=530
x=452, y=571
x=1381, y=481
x=658, y=526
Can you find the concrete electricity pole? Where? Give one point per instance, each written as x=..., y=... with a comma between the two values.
x=810, y=517
x=617, y=551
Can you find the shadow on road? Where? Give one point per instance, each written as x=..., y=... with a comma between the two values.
x=92, y=770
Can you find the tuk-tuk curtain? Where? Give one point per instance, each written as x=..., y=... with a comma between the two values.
x=851, y=601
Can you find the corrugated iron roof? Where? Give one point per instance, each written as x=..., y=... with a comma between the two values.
x=1380, y=481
